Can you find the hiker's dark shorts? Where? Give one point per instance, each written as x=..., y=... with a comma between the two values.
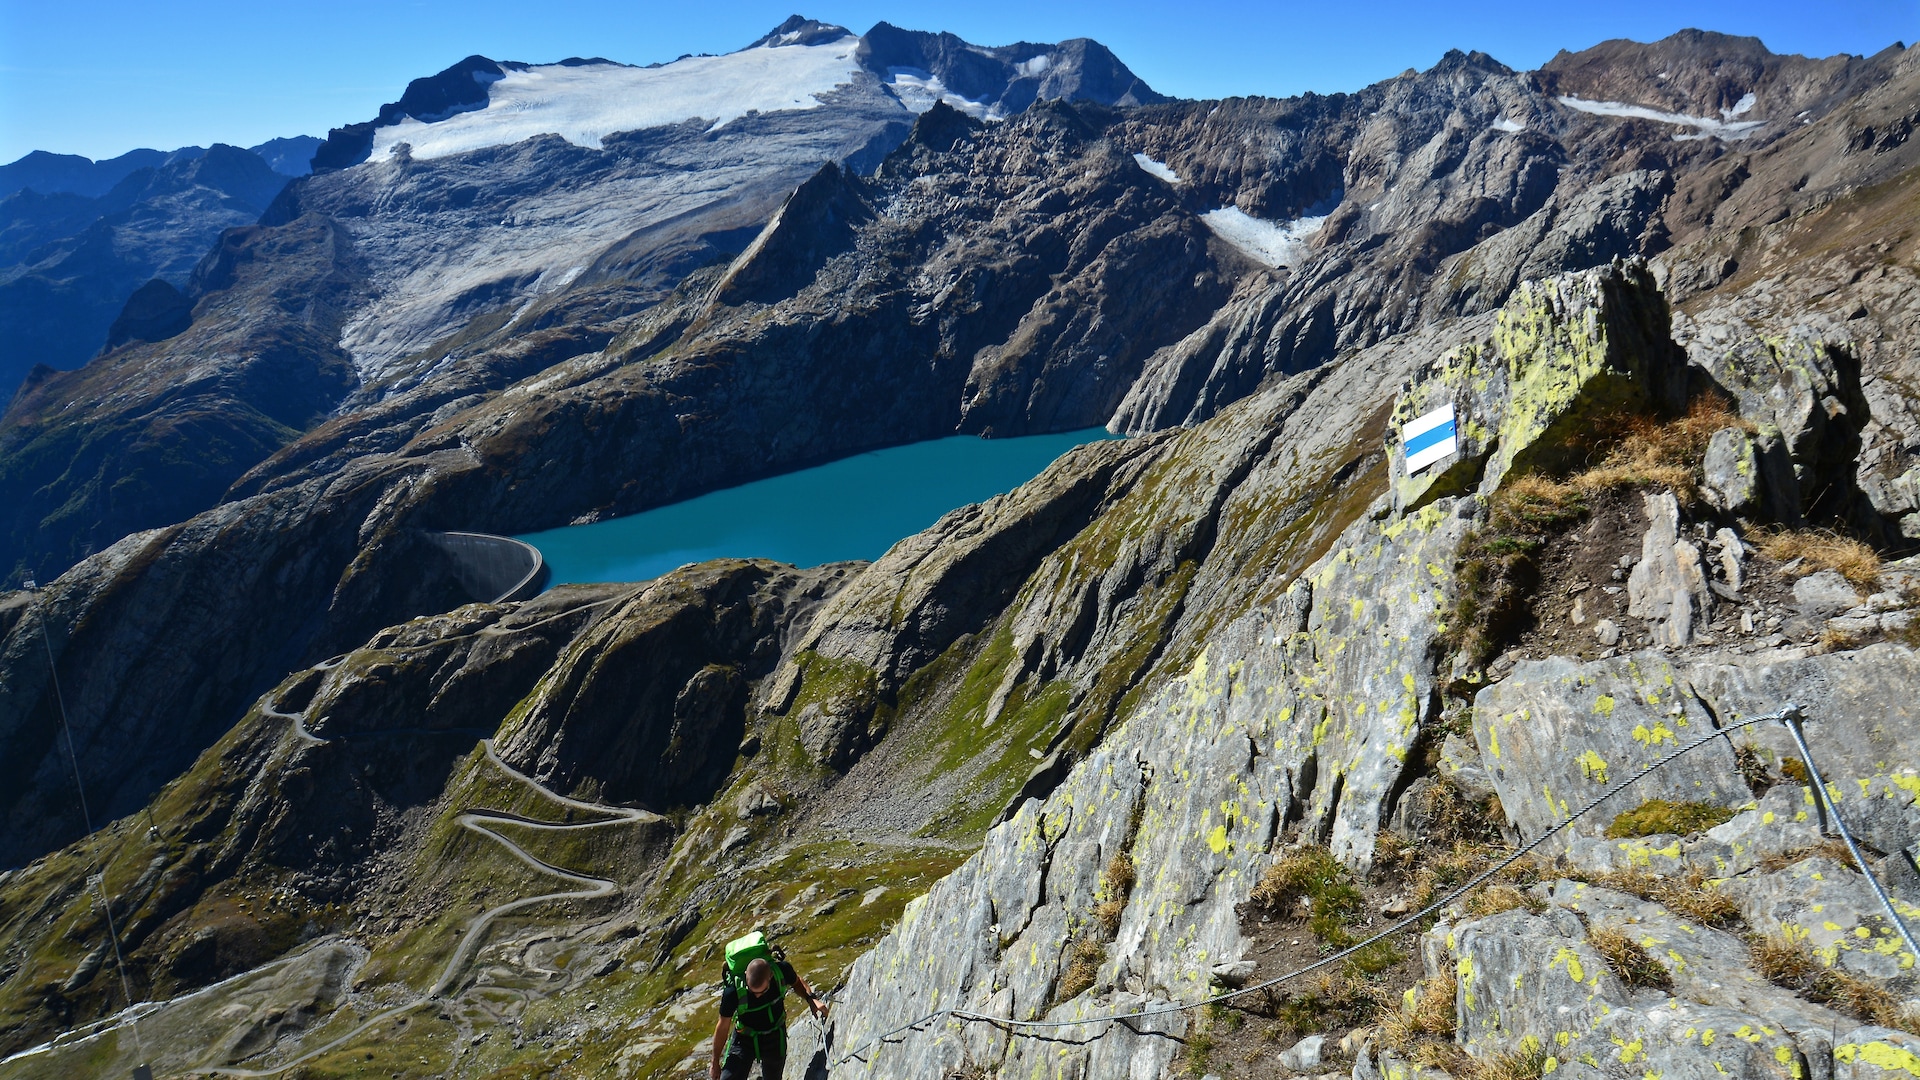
x=742, y=1052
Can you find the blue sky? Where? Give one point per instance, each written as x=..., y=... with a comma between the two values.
x=98, y=77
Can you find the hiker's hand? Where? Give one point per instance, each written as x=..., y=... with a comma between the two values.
x=820, y=1009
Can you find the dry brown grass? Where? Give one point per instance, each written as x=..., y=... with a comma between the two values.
x=1083, y=967
x=1648, y=452
x=1432, y=1017
x=1116, y=884
x=1424, y=1035
x=1823, y=549
x=1496, y=898
x=1832, y=849
x=1692, y=894
x=1337, y=1000
x=1310, y=874
x=1792, y=964
x=1628, y=958
x=1832, y=640
x=1527, y=1062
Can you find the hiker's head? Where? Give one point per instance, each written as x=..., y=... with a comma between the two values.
x=759, y=974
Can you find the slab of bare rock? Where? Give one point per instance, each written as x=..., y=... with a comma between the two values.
x=1662, y=854
x=757, y=801
x=1460, y=762
x=1829, y=907
x=1863, y=718
x=1731, y=472
x=1522, y=975
x=1824, y=594
x=1803, y=394
x=1784, y=821
x=1555, y=733
x=1706, y=965
x=1235, y=974
x=1668, y=586
x=1730, y=555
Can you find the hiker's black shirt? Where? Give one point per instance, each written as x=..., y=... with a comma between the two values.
x=760, y=1020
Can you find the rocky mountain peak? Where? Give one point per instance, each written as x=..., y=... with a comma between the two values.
x=799, y=30
x=1712, y=75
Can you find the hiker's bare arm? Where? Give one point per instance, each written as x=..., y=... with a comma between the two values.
x=813, y=1000
x=720, y=1032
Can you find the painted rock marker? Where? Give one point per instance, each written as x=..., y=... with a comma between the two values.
x=1429, y=438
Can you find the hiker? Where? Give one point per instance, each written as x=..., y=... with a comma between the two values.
x=753, y=1011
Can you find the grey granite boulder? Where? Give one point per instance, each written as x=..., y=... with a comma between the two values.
x=1824, y=594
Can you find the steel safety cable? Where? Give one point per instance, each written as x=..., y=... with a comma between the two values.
x=1791, y=718
x=968, y=1016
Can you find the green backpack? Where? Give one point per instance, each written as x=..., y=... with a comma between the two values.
x=742, y=951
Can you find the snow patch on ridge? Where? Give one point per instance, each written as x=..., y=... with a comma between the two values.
x=1158, y=169
x=1508, y=126
x=1704, y=126
x=1275, y=243
x=919, y=90
x=584, y=104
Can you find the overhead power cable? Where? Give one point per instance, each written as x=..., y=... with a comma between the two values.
x=141, y=1071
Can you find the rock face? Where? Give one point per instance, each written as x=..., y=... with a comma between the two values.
x=1557, y=733
x=650, y=706
x=509, y=262
x=1564, y=352
x=154, y=443
x=1307, y=708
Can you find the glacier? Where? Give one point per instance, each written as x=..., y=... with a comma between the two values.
x=585, y=103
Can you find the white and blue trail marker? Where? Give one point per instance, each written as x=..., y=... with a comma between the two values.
x=1429, y=438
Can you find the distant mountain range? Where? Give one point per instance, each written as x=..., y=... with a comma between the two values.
x=55, y=174
x=78, y=236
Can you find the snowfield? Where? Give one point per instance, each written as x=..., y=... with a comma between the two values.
x=1704, y=126
x=1157, y=168
x=1275, y=243
x=585, y=104
x=919, y=90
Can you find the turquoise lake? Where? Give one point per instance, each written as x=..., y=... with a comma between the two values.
x=854, y=508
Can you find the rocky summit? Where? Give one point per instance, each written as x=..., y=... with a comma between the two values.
x=1491, y=653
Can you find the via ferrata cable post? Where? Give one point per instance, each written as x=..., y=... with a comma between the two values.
x=142, y=1070
x=1791, y=716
